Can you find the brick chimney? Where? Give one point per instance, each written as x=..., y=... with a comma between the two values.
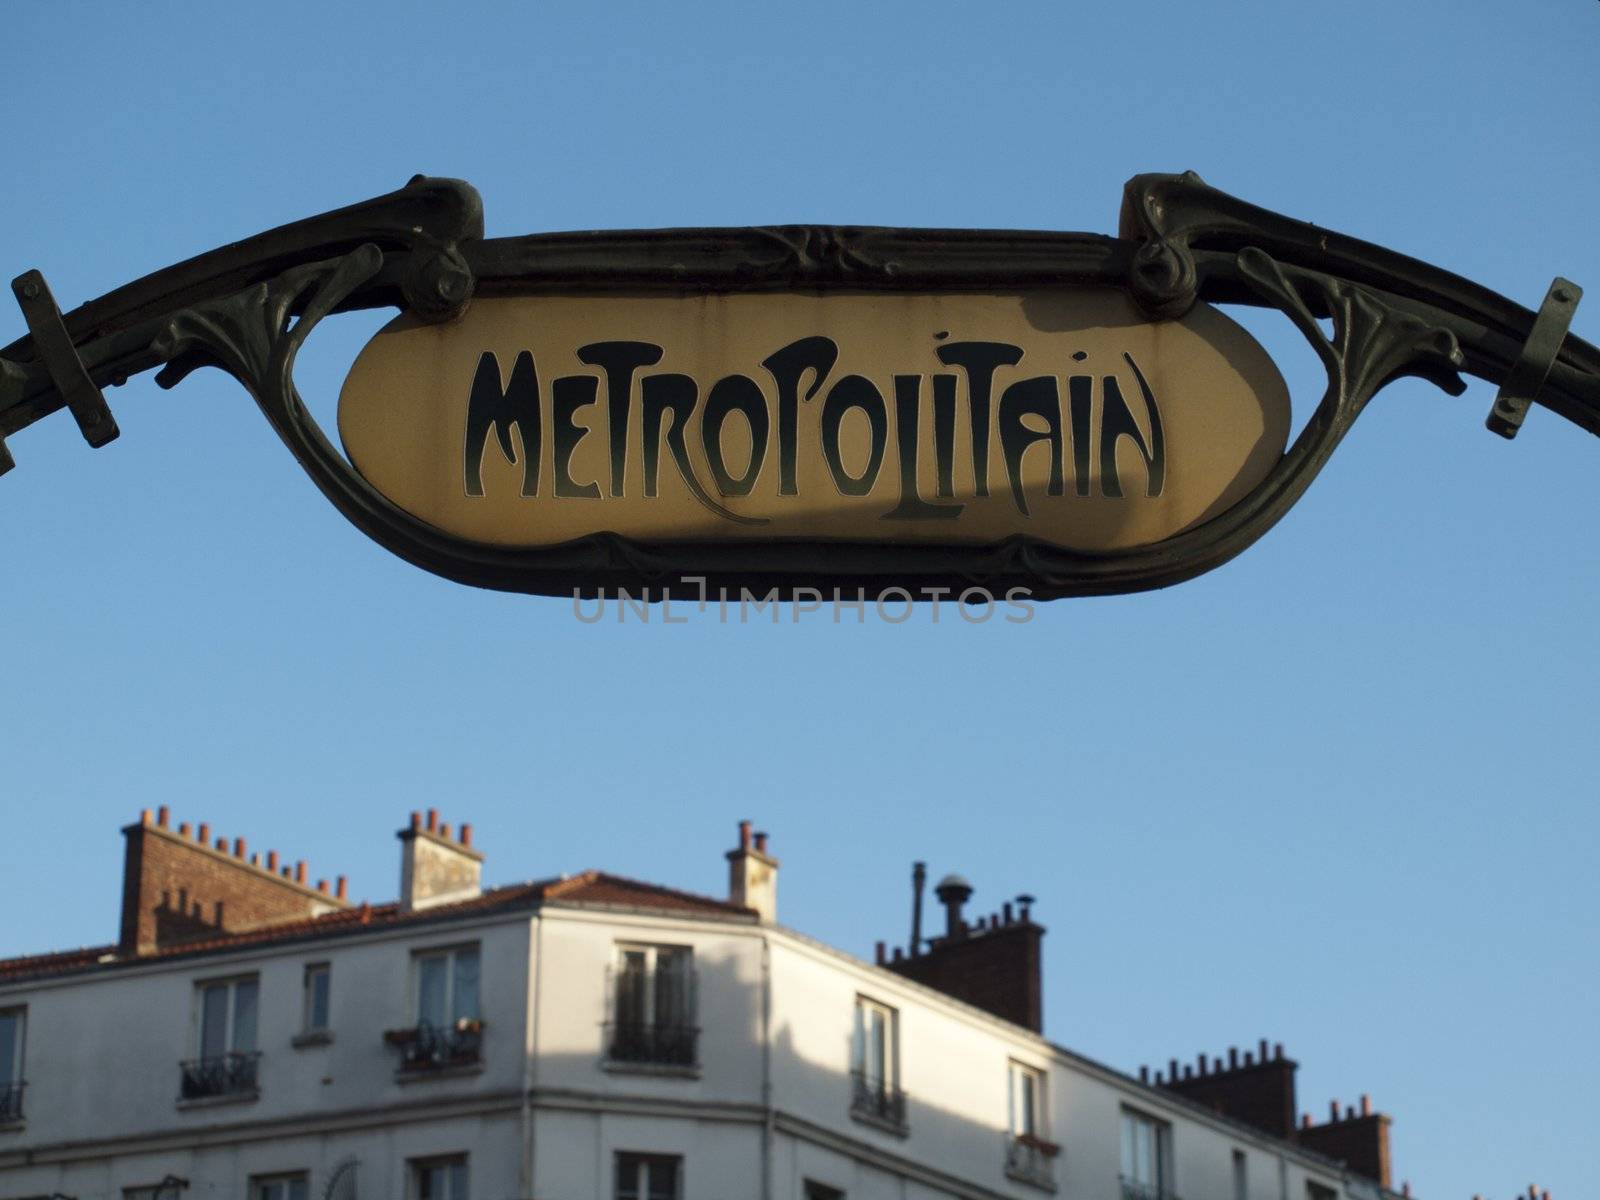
x=753, y=874
x=436, y=868
x=1359, y=1138
x=178, y=887
x=1257, y=1089
x=993, y=963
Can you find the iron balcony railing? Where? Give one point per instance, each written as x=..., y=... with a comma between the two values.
x=435, y=1047
x=1132, y=1190
x=231, y=1074
x=11, y=1101
x=877, y=1100
x=1031, y=1159
x=667, y=1045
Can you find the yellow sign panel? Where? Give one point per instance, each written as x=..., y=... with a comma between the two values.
x=946, y=418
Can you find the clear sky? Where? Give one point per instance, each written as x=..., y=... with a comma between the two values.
x=1338, y=793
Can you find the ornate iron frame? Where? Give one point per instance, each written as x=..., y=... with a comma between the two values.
x=248, y=307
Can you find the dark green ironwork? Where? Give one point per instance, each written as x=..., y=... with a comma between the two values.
x=249, y=306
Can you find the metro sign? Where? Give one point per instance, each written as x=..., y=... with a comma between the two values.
x=800, y=407
x=960, y=418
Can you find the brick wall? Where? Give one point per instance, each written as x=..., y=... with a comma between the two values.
x=1258, y=1092
x=997, y=970
x=1359, y=1140
x=178, y=886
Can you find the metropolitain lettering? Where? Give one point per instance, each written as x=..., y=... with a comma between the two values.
x=988, y=388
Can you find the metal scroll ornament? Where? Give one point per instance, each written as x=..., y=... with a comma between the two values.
x=806, y=407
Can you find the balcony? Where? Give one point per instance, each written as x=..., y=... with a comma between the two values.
x=1132, y=1190
x=437, y=1049
x=231, y=1076
x=11, y=1102
x=1031, y=1159
x=631, y=1043
x=877, y=1102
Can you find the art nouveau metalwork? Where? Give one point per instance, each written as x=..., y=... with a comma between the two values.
x=248, y=307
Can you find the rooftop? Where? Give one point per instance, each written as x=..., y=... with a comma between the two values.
x=587, y=888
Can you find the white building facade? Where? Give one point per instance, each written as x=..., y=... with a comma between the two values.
x=589, y=1038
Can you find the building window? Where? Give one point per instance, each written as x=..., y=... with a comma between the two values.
x=1320, y=1191
x=1027, y=1101
x=439, y=1178
x=318, y=993
x=875, y=1066
x=227, y=1061
x=821, y=1191
x=1030, y=1155
x=1146, y=1157
x=281, y=1187
x=649, y=1177
x=654, y=1006
x=448, y=1030
x=1241, y=1176
x=447, y=986
x=13, y=1028
x=170, y=1188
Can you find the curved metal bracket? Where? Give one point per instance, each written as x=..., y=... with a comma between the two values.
x=1188, y=232
x=1522, y=386
x=61, y=362
x=422, y=229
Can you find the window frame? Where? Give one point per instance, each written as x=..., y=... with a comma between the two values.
x=652, y=952
x=259, y=1184
x=1016, y=1072
x=652, y=1023
x=168, y=1187
x=230, y=1015
x=890, y=1076
x=450, y=952
x=13, y=1080
x=309, y=1026
x=639, y=1160
x=1161, y=1142
x=416, y=1166
x=19, y=1057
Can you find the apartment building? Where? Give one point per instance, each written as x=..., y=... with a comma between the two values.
x=591, y=1037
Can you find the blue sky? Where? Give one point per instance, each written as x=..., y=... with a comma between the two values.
x=1337, y=793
